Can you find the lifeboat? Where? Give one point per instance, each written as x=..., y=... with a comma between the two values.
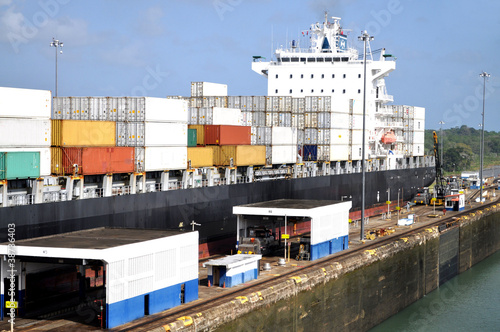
x=388, y=138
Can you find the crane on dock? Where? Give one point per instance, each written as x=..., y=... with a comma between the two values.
x=441, y=189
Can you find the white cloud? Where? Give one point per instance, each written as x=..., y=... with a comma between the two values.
x=5, y=2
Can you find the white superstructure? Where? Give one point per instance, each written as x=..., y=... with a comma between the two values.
x=331, y=69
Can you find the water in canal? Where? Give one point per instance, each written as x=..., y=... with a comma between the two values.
x=468, y=302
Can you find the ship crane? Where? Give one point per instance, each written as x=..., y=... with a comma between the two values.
x=440, y=188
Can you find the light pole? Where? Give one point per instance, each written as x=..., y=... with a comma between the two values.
x=365, y=37
x=442, y=141
x=56, y=43
x=484, y=75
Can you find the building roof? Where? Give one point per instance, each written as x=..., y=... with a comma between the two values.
x=96, y=238
x=233, y=261
x=289, y=207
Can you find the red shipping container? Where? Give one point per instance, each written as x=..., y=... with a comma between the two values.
x=227, y=135
x=97, y=160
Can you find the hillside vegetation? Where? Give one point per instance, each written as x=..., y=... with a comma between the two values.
x=462, y=148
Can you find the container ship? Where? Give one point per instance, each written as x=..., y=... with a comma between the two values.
x=74, y=163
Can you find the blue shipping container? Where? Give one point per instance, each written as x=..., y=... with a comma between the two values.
x=19, y=165
x=310, y=153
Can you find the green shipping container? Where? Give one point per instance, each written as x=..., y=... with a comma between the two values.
x=192, y=137
x=19, y=165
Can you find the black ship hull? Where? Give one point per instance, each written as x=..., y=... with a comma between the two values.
x=209, y=206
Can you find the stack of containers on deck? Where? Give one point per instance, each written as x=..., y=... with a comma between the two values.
x=223, y=126
x=119, y=134
x=317, y=123
x=25, y=133
x=84, y=138
x=157, y=128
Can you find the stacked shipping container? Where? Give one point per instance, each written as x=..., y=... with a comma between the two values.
x=26, y=131
x=153, y=130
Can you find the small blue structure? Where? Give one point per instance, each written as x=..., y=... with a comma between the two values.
x=233, y=270
x=455, y=202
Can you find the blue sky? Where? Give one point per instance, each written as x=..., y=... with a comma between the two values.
x=156, y=48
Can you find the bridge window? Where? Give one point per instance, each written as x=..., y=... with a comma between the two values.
x=343, y=91
x=276, y=91
x=320, y=60
x=333, y=75
x=285, y=59
x=312, y=75
x=301, y=75
x=345, y=59
x=359, y=90
x=291, y=76
x=344, y=75
x=322, y=75
x=328, y=59
x=276, y=75
x=359, y=75
x=302, y=59
x=311, y=59
x=295, y=59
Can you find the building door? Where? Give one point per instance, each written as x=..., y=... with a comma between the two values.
x=146, y=304
x=183, y=293
x=216, y=275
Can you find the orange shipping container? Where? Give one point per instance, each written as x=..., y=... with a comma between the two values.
x=227, y=135
x=91, y=161
x=200, y=133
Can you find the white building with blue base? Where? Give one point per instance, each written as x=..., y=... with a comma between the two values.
x=145, y=271
x=233, y=270
x=329, y=221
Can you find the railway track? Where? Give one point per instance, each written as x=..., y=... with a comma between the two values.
x=161, y=319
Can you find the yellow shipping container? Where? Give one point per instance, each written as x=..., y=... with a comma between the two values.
x=55, y=160
x=200, y=133
x=243, y=155
x=201, y=156
x=83, y=133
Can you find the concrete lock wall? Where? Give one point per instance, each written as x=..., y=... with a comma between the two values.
x=360, y=292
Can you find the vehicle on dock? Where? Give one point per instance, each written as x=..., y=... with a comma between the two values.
x=261, y=241
x=422, y=196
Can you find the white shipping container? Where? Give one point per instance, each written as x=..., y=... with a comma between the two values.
x=62, y=106
x=45, y=157
x=324, y=120
x=300, y=136
x=25, y=103
x=79, y=108
x=339, y=137
x=272, y=119
x=298, y=120
x=261, y=135
x=340, y=120
x=259, y=119
x=310, y=136
x=233, y=102
x=246, y=118
x=214, y=101
x=339, y=152
x=311, y=120
x=259, y=103
x=160, y=158
x=226, y=116
x=162, y=109
x=357, y=107
x=324, y=136
x=323, y=153
x=284, y=136
x=298, y=105
x=165, y=134
x=24, y=132
x=284, y=154
x=356, y=152
x=98, y=109
x=204, y=89
x=117, y=108
x=285, y=119
x=130, y=133
x=193, y=115
x=246, y=103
